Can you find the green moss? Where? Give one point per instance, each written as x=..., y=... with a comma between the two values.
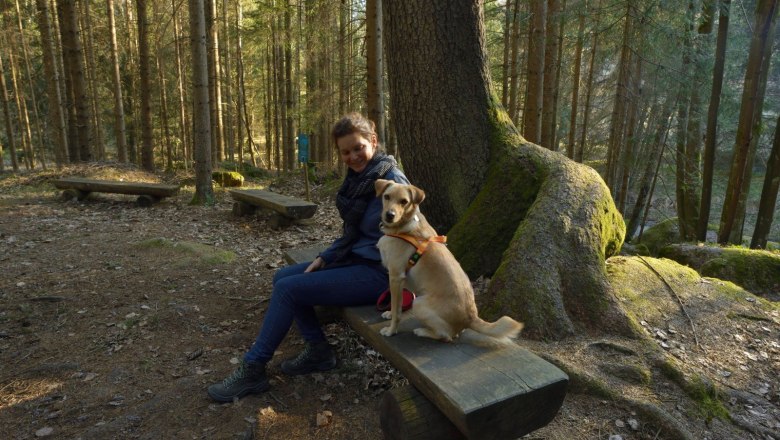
x=205, y=253
x=755, y=270
x=228, y=178
x=661, y=234
x=702, y=392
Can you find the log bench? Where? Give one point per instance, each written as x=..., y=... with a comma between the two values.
x=457, y=390
x=287, y=210
x=148, y=193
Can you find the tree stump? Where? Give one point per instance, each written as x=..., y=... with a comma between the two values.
x=405, y=414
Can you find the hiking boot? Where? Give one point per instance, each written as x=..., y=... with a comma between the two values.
x=316, y=356
x=249, y=378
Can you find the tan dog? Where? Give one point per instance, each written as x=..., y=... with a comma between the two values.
x=416, y=258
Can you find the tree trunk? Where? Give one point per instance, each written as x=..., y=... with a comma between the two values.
x=547, y=253
x=119, y=111
x=374, y=67
x=514, y=61
x=144, y=65
x=508, y=16
x=618, y=119
x=766, y=205
x=532, y=111
x=575, y=92
x=164, y=112
x=72, y=51
x=710, y=139
x=33, y=98
x=9, y=126
x=227, y=83
x=201, y=126
x=21, y=111
x=550, y=80
x=131, y=81
x=184, y=128
x=766, y=17
x=57, y=129
x=215, y=84
x=97, y=126
x=580, y=151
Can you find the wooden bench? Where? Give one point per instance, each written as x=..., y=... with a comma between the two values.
x=148, y=193
x=288, y=210
x=458, y=390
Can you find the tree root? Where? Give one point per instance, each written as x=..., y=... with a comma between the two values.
x=582, y=382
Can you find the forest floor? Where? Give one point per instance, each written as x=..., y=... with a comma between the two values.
x=114, y=319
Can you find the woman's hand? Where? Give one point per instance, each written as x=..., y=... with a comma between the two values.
x=317, y=264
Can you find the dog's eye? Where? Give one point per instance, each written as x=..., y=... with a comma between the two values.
x=386, y=197
x=404, y=202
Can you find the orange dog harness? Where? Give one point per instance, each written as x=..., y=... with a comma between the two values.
x=419, y=244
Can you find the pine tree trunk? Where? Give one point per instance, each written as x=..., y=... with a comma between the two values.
x=97, y=126
x=144, y=65
x=228, y=85
x=766, y=17
x=119, y=111
x=549, y=84
x=547, y=253
x=514, y=61
x=57, y=129
x=9, y=126
x=618, y=120
x=184, y=128
x=534, y=100
x=204, y=192
x=34, y=100
x=21, y=111
x=710, y=139
x=766, y=205
x=72, y=51
x=575, y=92
x=374, y=68
x=580, y=151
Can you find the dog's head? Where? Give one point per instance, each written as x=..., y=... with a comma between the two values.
x=399, y=201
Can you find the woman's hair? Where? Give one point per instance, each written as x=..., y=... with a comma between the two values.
x=352, y=123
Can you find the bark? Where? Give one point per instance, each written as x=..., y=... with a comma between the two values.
x=508, y=16
x=54, y=86
x=184, y=128
x=9, y=126
x=766, y=204
x=618, y=119
x=120, y=130
x=73, y=53
x=374, y=67
x=550, y=81
x=228, y=117
x=144, y=65
x=534, y=101
x=766, y=15
x=575, y=93
x=21, y=111
x=710, y=139
x=289, y=101
x=547, y=253
x=97, y=126
x=215, y=83
x=164, y=112
x=204, y=192
x=33, y=99
x=515, y=62
x=580, y=151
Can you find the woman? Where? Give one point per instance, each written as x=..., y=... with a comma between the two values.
x=348, y=273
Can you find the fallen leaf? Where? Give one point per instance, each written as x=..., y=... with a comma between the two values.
x=324, y=418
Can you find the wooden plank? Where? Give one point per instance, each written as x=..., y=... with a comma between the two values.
x=117, y=187
x=487, y=392
x=285, y=205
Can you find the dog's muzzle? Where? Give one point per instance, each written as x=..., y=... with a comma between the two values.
x=389, y=216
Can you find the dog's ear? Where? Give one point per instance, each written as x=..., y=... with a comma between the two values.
x=381, y=185
x=418, y=195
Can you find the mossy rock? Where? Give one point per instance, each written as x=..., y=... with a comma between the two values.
x=757, y=271
x=661, y=234
x=228, y=178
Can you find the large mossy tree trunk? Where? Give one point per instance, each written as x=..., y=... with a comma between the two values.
x=540, y=224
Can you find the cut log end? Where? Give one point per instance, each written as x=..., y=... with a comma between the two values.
x=405, y=414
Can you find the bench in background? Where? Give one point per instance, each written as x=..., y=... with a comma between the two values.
x=148, y=193
x=288, y=210
x=459, y=389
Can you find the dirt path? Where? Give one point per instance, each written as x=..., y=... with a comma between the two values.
x=114, y=319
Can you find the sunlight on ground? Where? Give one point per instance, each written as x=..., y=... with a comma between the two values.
x=20, y=390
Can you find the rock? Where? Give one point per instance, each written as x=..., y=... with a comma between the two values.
x=44, y=432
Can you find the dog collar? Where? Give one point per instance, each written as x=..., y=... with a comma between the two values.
x=420, y=244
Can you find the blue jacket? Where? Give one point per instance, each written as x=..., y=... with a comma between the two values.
x=370, y=234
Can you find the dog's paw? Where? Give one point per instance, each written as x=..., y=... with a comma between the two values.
x=387, y=331
x=387, y=314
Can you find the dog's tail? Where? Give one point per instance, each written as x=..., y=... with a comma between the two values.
x=505, y=327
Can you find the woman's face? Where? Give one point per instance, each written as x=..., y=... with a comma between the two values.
x=356, y=151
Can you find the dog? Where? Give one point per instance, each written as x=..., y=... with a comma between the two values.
x=417, y=258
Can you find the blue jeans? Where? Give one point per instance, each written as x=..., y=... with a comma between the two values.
x=295, y=294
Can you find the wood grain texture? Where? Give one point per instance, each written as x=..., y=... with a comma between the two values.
x=116, y=187
x=285, y=205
